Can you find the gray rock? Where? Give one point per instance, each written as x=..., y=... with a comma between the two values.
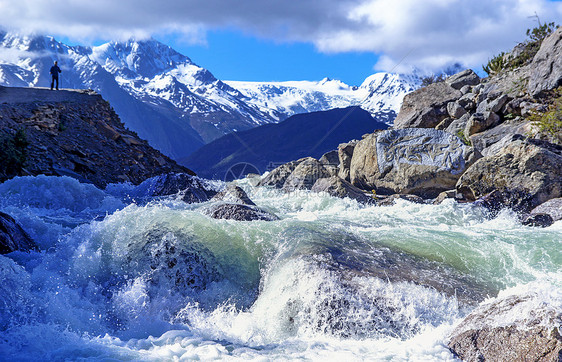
x=458, y=125
x=337, y=187
x=449, y=194
x=479, y=122
x=330, y=158
x=423, y=162
x=13, y=237
x=331, y=161
x=426, y=107
x=552, y=207
x=464, y=78
x=191, y=189
x=467, y=101
x=345, y=153
x=477, y=88
x=512, y=83
x=455, y=110
x=278, y=176
x=233, y=194
x=305, y=175
x=239, y=212
x=492, y=105
x=528, y=108
x=489, y=145
x=499, y=332
x=513, y=107
x=546, y=68
x=493, y=140
x=540, y=220
x=465, y=89
x=444, y=124
x=526, y=172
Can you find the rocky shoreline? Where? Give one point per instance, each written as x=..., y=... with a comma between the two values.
x=465, y=138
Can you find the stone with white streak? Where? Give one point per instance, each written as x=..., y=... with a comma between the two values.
x=422, y=162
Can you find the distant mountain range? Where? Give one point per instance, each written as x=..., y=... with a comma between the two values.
x=380, y=94
x=265, y=147
x=177, y=105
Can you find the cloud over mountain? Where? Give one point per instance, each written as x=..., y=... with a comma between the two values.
x=428, y=34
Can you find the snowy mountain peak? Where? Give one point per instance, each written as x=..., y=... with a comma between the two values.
x=145, y=58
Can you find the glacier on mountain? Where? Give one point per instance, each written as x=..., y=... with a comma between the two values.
x=381, y=94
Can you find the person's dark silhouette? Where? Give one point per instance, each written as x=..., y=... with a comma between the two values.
x=55, y=70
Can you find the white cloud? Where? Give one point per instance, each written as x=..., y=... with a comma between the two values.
x=427, y=34
x=433, y=33
x=14, y=55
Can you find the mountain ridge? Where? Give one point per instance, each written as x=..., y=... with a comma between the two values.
x=264, y=148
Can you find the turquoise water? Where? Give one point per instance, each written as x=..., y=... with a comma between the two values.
x=158, y=280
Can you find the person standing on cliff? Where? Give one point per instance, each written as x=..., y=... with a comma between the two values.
x=55, y=70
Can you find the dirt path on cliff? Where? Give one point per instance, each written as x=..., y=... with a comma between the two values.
x=13, y=95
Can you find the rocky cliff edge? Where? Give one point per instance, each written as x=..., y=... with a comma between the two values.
x=72, y=133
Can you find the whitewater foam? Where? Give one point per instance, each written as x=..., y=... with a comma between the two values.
x=331, y=279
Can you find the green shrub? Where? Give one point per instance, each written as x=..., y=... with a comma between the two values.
x=430, y=79
x=13, y=154
x=496, y=64
x=530, y=47
x=463, y=138
x=550, y=122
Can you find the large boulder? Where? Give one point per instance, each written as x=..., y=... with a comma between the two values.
x=13, y=237
x=514, y=328
x=426, y=107
x=279, y=175
x=337, y=187
x=457, y=126
x=190, y=189
x=416, y=161
x=464, y=78
x=526, y=172
x=546, y=69
x=306, y=174
x=491, y=141
x=345, y=153
x=552, y=207
x=234, y=194
x=479, y=122
x=330, y=160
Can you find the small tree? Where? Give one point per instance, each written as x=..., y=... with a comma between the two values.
x=430, y=79
x=530, y=47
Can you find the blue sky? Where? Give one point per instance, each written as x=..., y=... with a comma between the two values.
x=273, y=40
x=232, y=55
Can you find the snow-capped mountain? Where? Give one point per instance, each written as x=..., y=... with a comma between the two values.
x=177, y=105
x=25, y=62
x=380, y=94
x=158, y=75
x=284, y=99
